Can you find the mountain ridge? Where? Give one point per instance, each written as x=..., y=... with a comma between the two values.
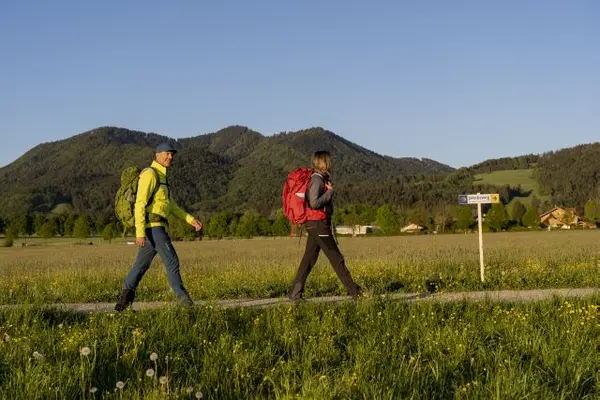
x=237, y=168
x=212, y=171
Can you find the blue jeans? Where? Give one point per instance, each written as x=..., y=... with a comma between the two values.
x=158, y=241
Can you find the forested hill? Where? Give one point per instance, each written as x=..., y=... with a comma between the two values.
x=567, y=177
x=235, y=168
x=505, y=163
x=571, y=176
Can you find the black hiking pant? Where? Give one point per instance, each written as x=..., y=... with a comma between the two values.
x=321, y=237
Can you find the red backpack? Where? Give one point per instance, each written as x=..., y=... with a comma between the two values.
x=295, y=206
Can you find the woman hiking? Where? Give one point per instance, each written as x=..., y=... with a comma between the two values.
x=319, y=196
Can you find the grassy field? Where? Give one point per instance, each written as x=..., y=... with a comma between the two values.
x=374, y=349
x=523, y=177
x=370, y=349
x=66, y=272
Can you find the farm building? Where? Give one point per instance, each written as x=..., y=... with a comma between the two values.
x=411, y=228
x=558, y=217
x=354, y=230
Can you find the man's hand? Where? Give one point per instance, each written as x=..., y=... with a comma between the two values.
x=140, y=241
x=329, y=185
x=196, y=224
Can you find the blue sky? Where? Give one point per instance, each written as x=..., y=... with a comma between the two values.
x=455, y=81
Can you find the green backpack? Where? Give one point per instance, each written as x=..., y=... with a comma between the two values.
x=125, y=197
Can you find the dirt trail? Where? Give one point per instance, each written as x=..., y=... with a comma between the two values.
x=444, y=297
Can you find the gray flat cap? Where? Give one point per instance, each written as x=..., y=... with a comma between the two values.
x=166, y=146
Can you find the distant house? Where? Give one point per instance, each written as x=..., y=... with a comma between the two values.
x=354, y=230
x=411, y=228
x=558, y=217
x=587, y=225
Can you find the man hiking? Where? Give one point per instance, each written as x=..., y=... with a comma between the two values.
x=153, y=205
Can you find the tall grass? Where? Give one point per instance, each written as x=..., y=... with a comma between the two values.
x=265, y=267
x=373, y=349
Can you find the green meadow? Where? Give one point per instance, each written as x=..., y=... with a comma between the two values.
x=371, y=348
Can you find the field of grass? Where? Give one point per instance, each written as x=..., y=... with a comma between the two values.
x=523, y=177
x=374, y=348
x=265, y=267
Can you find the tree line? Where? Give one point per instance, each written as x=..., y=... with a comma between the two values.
x=505, y=163
x=570, y=176
x=220, y=171
x=387, y=219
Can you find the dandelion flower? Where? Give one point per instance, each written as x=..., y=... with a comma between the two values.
x=149, y=372
x=85, y=351
x=166, y=358
x=120, y=385
x=6, y=338
x=163, y=380
x=189, y=390
x=38, y=356
x=199, y=395
x=60, y=326
x=93, y=390
x=153, y=356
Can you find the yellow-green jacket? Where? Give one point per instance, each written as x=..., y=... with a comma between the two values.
x=157, y=212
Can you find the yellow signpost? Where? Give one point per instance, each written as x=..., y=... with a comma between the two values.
x=479, y=199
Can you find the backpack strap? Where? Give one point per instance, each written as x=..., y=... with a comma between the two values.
x=156, y=187
x=154, y=217
x=307, y=197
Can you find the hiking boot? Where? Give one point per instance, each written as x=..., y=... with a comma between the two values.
x=360, y=294
x=296, y=299
x=296, y=293
x=125, y=300
x=185, y=301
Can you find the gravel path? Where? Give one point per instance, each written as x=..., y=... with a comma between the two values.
x=444, y=297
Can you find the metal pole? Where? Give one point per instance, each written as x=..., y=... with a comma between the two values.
x=479, y=223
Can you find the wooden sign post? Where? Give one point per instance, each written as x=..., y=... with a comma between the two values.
x=479, y=199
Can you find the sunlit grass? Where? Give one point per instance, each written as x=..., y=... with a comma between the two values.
x=265, y=267
x=376, y=349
